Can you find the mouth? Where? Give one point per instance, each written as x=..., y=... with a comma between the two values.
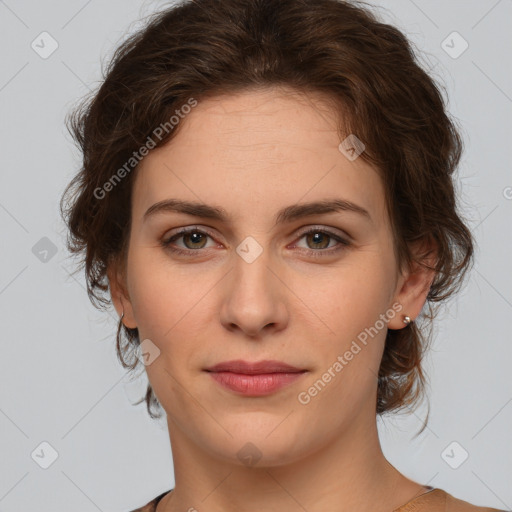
x=255, y=379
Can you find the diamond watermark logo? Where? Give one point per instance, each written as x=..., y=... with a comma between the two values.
x=147, y=352
x=249, y=454
x=454, y=455
x=351, y=147
x=454, y=45
x=249, y=249
x=44, y=455
x=44, y=45
x=44, y=250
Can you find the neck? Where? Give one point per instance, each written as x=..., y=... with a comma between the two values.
x=345, y=473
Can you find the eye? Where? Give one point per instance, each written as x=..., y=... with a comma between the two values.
x=320, y=239
x=193, y=239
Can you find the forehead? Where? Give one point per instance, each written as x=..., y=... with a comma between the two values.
x=260, y=120
x=254, y=152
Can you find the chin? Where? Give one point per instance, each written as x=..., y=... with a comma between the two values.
x=260, y=444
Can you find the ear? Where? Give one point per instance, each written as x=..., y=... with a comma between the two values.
x=414, y=284
x=119, y=295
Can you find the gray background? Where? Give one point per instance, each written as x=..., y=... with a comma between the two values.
x=61, y=382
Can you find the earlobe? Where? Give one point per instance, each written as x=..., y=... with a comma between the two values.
x=128, y=320
x=412, y=296
x=120, y=299
x=400, y=321
x=413, y=292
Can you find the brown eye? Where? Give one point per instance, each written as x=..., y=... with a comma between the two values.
x=319, y=239
x=319, y=242
x=197, y=240
x=193, y=239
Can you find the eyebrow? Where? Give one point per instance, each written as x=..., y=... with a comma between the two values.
x=287, y=214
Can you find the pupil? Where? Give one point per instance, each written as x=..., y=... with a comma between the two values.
x=194, y=238
x=319, y=238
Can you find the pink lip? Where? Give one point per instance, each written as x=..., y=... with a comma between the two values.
x=266, y=366
x=254, y=379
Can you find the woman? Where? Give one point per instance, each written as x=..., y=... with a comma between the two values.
x=267, y=200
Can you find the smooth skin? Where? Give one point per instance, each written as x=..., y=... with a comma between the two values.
x=252, y=154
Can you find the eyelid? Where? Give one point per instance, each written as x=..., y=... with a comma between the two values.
x=344, y=242
x=303, y=231
x=343, y=239
x=179, y=232
x=325, y=229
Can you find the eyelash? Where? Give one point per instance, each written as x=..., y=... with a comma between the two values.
x=319, y=253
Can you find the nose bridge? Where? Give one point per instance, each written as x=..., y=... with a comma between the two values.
x=253, y=299
x=251, y=275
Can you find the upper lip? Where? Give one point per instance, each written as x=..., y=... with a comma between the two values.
x=248, y=368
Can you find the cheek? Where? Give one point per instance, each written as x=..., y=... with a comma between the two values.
x=347, y=358
x=163, y=296
x=350, y=297
x=350, y=304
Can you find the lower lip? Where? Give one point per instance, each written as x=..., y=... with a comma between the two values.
x=255, y=385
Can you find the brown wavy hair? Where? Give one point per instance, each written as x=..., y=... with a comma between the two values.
x=203, y=48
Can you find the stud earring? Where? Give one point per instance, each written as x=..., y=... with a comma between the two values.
x=407, y=320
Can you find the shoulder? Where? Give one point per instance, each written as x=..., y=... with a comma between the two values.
x=438, y=500
x=151, y=506
x=456, y=505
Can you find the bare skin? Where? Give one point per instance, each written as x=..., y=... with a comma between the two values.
x=252, y=154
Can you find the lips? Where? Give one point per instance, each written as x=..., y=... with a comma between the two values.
x=255, y=379
x=260, y=367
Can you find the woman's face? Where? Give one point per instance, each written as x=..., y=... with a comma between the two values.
x=253, y=286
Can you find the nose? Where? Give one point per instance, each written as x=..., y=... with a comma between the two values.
x=254, y=300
